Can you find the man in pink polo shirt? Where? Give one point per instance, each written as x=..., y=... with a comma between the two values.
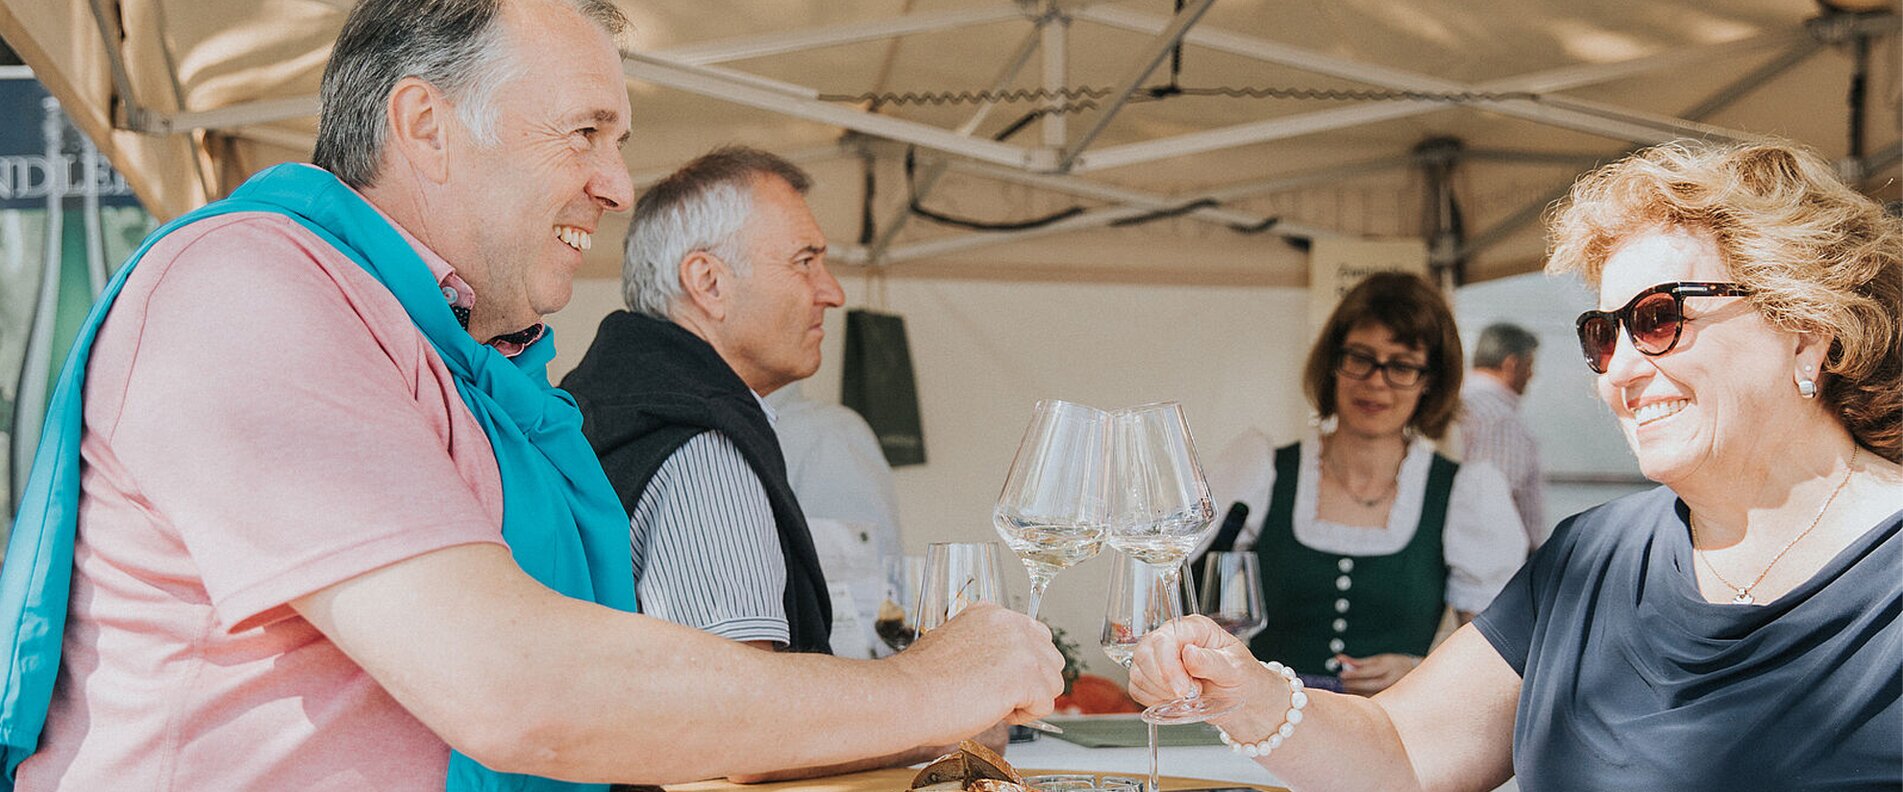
x=289, y=567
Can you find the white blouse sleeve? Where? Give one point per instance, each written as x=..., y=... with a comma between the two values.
x=1484, y=541
x=1242, y=472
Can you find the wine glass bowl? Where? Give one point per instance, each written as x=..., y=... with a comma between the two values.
x=957, y=576
x=1160, y=507
x=1231, y=593
x=1139, y=602
x=1053, y=509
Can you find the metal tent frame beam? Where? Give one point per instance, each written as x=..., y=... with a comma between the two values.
x=1566, y=112
x=1152, y=57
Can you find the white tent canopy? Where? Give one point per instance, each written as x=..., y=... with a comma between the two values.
x=1450, y=120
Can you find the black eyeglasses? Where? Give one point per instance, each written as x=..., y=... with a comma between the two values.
x=1653, y=320
x=1361, y=365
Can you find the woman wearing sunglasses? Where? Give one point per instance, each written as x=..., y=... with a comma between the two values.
x=1366, y=536
x=1739, y=627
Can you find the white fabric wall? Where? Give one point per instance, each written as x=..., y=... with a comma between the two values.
x=986, y=351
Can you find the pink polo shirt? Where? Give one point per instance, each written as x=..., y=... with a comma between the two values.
x=262, y=421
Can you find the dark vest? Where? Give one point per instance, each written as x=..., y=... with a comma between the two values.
x=645, y=388
x=1371, y=604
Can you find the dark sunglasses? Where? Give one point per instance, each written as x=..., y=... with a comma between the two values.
x=1653, y=319
x=1361, y=365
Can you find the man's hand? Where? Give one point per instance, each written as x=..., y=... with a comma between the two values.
x=989, y=664
x=1367, y=676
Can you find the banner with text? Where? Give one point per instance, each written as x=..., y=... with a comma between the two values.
x=1335, y=265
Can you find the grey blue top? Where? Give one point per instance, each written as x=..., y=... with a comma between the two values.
x=1631, y=680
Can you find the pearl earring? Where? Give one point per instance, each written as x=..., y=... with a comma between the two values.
x=1807, y=387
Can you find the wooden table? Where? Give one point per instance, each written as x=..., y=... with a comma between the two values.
x=898, y=779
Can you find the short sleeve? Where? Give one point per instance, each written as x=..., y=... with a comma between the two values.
x=1242, y=472
x=1484, y=541
x=282, y=414
x=1510, y=621
x=706, y=547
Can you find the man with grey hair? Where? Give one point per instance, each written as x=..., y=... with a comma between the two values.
x=725, y=275
x=1491, y=428
x=308, y=515
x=727, y=287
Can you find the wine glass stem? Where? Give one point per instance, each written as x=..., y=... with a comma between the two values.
x=1172, y=588
x=1153, y=774
x=1040, y=580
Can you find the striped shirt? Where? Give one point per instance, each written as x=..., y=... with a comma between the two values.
x=706, y=547
x=1492, y=431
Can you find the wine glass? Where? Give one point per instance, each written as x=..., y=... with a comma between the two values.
x=897, y=621
x=1054, y=507
x=1160, y=511
x=1138, y=603
x=1143, y=597
x=1232, y=593
x=957, y=576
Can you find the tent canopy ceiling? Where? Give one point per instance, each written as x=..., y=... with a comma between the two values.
x=192, y=96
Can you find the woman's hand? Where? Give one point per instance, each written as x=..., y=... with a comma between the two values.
x=1367, y=676
x=1178, y=658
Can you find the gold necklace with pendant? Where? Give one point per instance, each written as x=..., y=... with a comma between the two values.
x=1743, y=597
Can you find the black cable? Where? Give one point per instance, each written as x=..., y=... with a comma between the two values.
x=1164, y=214
x=911, y=186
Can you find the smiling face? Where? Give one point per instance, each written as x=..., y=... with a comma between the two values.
x=1710, y=406
x=529, y=205
x=772, y=329
x=1371, y=407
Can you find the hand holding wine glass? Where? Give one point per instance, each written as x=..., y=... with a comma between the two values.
x=1160, y=511
x=1054, y=506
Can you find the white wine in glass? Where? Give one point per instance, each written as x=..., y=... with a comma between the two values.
x=1054, y=507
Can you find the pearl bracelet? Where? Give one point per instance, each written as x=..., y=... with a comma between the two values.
x=1297, y=700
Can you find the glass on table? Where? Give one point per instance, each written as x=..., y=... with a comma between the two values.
x=1144, y=597
x=1139, y=602
x=897, y=621
x=957, y=575
x=1232, y=593
x=1053, y=509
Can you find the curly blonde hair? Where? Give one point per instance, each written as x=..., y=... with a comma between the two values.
x=1817, y=256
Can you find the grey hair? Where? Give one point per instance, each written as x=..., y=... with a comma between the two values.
x=459, y=46
x=701, y=207
x=1501, y=341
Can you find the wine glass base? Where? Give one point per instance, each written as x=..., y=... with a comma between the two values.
x=1189, y=710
